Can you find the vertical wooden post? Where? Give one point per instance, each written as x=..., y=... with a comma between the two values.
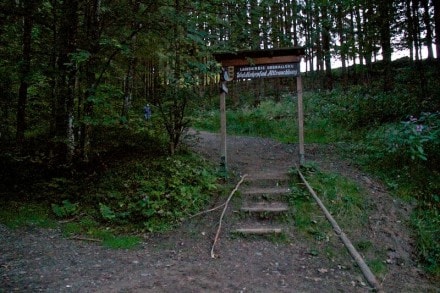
x=300, y=119
x=223, y=150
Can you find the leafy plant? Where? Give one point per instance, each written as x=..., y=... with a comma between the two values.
x=427, y=226
x=155, y=195
x=414, y=136
x=66, y=209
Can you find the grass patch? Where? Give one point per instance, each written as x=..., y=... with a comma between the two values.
x=377, y=266
x=364, y=245
x=272, y=119
x=17, y=215
x=426, y=223
x=343, y=198
x=22, y=214
x=121, y=242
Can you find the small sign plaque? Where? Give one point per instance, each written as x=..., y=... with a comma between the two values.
x=267, y=71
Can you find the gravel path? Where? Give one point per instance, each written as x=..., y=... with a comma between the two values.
x=41, y=260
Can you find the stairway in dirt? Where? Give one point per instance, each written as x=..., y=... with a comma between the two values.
x=264, y=199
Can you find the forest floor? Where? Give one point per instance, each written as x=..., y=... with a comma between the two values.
x=42, y=260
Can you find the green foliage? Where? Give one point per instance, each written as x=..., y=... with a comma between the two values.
x=359, y=107
x=172, y=104
x=90, y=229
x=406, y=155
x=66, y=209
x=426, y=222
x=105, y=101
x=154, y=195
x=121, y=242
x=22, y=214
x=342, y=197
x=277, y=120
x=413, y=137
x=377, y=266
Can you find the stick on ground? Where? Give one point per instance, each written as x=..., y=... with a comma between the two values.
x=207, y=211
x=223, y=213
x=369, y=276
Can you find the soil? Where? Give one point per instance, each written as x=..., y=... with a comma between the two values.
x=34, y=259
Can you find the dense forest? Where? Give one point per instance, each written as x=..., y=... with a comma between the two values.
x=69, y=67
x=85, y=84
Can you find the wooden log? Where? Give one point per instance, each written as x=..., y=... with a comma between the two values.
x=369, y=276
x=258, y=231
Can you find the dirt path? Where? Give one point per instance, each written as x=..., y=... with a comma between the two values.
x=33, y=259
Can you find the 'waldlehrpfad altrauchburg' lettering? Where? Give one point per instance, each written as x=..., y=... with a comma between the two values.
x=267, y=71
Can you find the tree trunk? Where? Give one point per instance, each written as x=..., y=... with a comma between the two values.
x=360, y=34
x=129, y=76
x=385, y=14
x=66, y=84
x=437, y=27
x=410, y=27
x=92, y=27
x=369, y=38
x=342, y=40
x=25, y=69
x=353, y=40
x=416, y=29
x=326, y=26
x=427, y=21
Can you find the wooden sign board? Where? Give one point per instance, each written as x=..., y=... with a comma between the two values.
x=260, y=64
x=264, y=71
x=258, y=57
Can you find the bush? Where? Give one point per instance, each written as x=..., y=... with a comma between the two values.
x=269, y=119
x=362, y=108
x=155, y=195
x=406, y=155
x=416, y=136
x=426, y=223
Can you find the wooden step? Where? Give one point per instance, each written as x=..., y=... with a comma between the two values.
x=259, y=231
x=261, y=207
x=266, y=191
x=273, y=179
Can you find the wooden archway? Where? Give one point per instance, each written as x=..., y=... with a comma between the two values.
x=251, y=64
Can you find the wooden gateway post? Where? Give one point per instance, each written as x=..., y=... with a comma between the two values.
x=252, y=64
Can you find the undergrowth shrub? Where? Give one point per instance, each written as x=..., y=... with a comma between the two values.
x=426, y=223
x=155, y=195
x=416, y=138
x=275, y=119
x=360, y=107
x=409, y=153
x=406, y=156
x=267, y=119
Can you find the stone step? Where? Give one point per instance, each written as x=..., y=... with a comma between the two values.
x=261, y=207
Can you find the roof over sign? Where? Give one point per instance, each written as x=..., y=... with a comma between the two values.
x=255, y=57
x=294, y=51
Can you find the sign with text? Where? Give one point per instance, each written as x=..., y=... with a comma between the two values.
x=266, y=71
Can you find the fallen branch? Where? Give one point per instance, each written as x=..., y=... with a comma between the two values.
x=223, y=213
x=85, y=239
x=354, y=253
x=207, y=211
